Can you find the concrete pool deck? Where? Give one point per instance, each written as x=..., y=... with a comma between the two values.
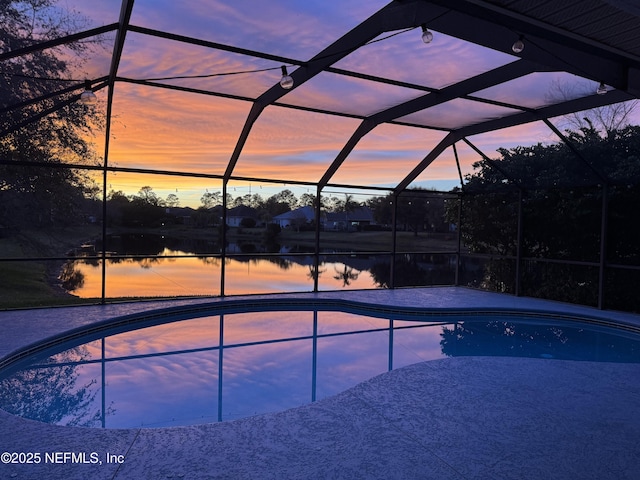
x=455, y=418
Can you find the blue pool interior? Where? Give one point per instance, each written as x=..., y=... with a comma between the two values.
x=164, y=369
x=464, y=416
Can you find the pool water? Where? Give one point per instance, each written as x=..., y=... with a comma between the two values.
x=226, y=366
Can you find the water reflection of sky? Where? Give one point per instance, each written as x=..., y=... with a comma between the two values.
x=223, y=367
x=344, y=361
x=266, y=378
x=151, y=277
x=163, y=391
x=261, y=326
x=175, y=336
x=182, y=275
x=176, y=374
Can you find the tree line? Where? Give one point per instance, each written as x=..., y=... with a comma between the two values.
x=577, y=204
x=420, y=210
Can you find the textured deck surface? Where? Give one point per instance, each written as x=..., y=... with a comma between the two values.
x=456, y=418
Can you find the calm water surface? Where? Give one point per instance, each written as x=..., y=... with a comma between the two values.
x=178, y=276
x=161, y=266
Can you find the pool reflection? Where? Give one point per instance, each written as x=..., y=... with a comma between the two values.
x=197, y=333
x=345, y=361
x=162, y=391
x=266, y=378
x=65, y=394
x=264, y=326
x=234, y=365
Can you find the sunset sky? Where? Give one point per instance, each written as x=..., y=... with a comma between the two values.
x=168, y=130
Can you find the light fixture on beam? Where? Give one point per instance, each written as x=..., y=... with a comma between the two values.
x=286, y=81
x=88, y=97
x=427, y=36
x=518, y=45
x=602, y=89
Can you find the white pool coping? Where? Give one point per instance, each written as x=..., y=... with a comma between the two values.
x=456, y=418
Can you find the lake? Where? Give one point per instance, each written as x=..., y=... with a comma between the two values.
x=155, y=266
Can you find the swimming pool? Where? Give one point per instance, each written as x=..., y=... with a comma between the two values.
x=182, y=366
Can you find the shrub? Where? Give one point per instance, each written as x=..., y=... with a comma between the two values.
x=248, y=222
x=272, y=231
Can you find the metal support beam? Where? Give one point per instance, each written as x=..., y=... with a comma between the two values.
x=394, y=241
x=316, y=257
x=450, y=139
x=254, y=113
x=213, y=45
x=223, y=226
x=38, y=116
x=34, y=118
x=493, y=164
x=36, y=47
x=599, y=175
x=50, y=95
x=458, y=248
x=105, y=183
x=125, y=16
x=546, y=44
x=505, y=73
x=518, y=285
x=584, y=103
x=556, y=110
x=387, y=18
x=365, y=127
x=455, y=154
x=501, y=74
x=123, y=25
x=603, y=246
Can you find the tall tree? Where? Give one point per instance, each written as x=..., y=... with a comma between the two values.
x=349, y=206
x=211, y=199
x=609, y=118
x=172, y=201
x=42, y=195
x=148, y=196
x=562, y=204
x=288, y=197
x=307, y=200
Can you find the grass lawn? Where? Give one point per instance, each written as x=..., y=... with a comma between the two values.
x=373, y=241
x=29, y=283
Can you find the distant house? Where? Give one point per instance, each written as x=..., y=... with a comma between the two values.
x=349, y=220
x=295, y=218
x=235, y=215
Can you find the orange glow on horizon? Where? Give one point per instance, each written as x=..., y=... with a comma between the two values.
x=167, y=130
x=162, y=276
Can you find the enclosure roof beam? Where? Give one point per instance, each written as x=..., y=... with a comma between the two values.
x=599, y=175
x=40, y=115
x=50, y=95
x=547, y=44
x=564, y=108
x=556, y=110
x=447, y=141
x=56, y=42
x=36, y=47
x=492, y=163
x=123, y=24
x=394, y=16
x=499, y=75
x=505, y=73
